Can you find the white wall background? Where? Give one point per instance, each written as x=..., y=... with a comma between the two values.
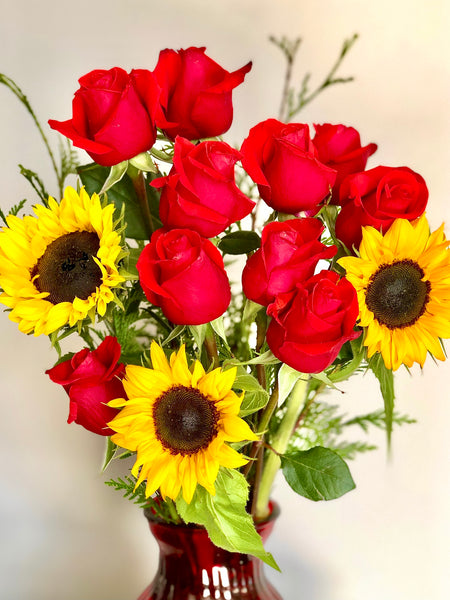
x=66, y=536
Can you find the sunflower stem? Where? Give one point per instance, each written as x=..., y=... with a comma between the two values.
x=279, y=443
x=173, y=511
x=140, y=187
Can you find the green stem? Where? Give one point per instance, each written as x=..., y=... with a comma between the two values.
x=330, y=79
x=140, y=187
x=261, y=329
x=262, y=426
x=279, y=443
x=172, y=510
x=211, y=347
x=15, y=89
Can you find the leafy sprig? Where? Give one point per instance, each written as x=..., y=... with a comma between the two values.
x=294, y=100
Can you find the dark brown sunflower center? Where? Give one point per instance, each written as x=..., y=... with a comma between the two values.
x=185, y=420
x=67, y=269
x=396, y=294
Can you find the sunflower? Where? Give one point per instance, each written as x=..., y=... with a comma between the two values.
x=403, y=285
x=60, y=265
x=178, y=422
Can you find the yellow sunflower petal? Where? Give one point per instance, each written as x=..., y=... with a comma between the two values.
x=197, y=373
x=236, y=429
x=143, y=382
x=159, y=360
x=228, y=457
x=179, y=366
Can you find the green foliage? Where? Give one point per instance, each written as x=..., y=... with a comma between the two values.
x=317, y=474
x=143, y=162
x=324, y=425
x=14, y=211
x=349, y=450
x=176, y=332
x=348, y=362
x=294, y=100
x=240, y=242
x=198, y=333
x=116, y=172
x=123, y=196
x=239, y=329
x=377, y=419
x=287, y=378
x=110, y=452
x=64, y=358
x=255, y=396
x=386, y=380
x=36, y=183
x=225, y=517
x=68, y=159
x=127, y=487
x=266, y=358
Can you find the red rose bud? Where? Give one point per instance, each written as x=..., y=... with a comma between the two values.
x=183, y=273
x=282, y=161
x=311, y=323
x=288, y=255
x=113, y=115
x=195, y=93
x=200, y=192
x=339, y=147
x=91, y=379
x=377, y=197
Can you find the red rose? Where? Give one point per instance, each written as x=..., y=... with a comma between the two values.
x=376, y=198
x=200, y=192
x=183, y=273
x=339, y=147
x=112, y=120
x=289, y=254
x=195, y=93
x=91, y=379
x=310, y=324
x=282, y=160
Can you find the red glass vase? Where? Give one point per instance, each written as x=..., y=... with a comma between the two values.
x=191, y=567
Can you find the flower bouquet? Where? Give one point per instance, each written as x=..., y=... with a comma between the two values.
x=219, y=293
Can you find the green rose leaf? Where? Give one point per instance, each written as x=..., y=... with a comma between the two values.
x=287, y=378
x=176, y=331
x=323, y=377
x=219, y=327
x=144, y=162
x=251, y=309
x=121, y=194
x=198, y=332
x=115, y=175
x=240, y=242
x=317, y=474
x=228, y=524
x=266, y=358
